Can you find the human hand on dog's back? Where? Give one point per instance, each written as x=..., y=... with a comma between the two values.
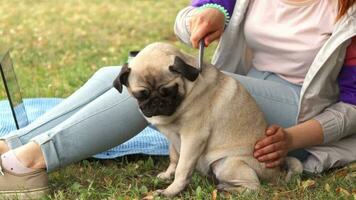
x=273, y=149
x=208, y=23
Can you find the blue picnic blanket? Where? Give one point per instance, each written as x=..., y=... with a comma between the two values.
x=149, y=141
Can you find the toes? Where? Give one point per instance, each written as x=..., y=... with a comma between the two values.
x=163, y=176
x=163, y=193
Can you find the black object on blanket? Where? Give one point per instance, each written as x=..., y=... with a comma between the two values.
x=13, y=91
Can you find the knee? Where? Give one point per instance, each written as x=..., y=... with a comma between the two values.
x=107, y=74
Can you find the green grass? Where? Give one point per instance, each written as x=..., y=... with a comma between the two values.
x=58, y=45
x=133, y=177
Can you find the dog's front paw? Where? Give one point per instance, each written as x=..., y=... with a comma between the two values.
x=166, y=193
x=171, y=190
x=164, y=176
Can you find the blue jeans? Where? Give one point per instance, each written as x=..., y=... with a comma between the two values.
x=97, y=117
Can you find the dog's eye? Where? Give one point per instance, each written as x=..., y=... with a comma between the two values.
x=167, y=91
x=142, y=94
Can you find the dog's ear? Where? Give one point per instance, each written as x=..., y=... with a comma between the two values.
x=122, y=78
x=187, y=71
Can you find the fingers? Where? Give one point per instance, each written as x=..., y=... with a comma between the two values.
x=269, y=149
x=272, y=130
x=208, y=23
x=271, y=156
x=274, y=163
x=212, y=37
x=198, y=33
x=278, y=136
x=272, y=149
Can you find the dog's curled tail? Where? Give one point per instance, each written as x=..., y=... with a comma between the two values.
x=294, y=167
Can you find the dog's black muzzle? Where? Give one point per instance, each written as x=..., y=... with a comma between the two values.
x=157, y=105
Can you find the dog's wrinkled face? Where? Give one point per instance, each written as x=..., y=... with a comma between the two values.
x=157, y=80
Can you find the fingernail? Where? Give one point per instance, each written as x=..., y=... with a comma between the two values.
x=256, y=154
x=257, y=146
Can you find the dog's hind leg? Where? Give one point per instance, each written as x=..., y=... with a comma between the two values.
x=233, y=174
x=173, y=160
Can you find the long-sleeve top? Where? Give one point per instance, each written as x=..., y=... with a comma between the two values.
x=347, y=76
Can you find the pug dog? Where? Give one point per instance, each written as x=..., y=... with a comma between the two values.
x=210, y=119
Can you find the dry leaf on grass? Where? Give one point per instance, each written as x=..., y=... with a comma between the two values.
x=327, y=187
x=214, y=195
x=288, y=194
x=148, y=197
x=342, y=172
x=352, y=166
x=346, y=170
x=281, y=195
x=308, y=184
x=342, y=191
x=353, y=174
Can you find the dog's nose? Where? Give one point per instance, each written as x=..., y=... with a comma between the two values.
x=164, y=92
x=155, y=102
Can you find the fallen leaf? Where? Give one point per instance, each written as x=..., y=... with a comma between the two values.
x=342, y=172
x=214, y=195
x=283, y=194
x=327, y=187
x=148, y=197
x=308, y=184
x=345, y=170
x=342, y=191
x=352, y=167
x=353, y=174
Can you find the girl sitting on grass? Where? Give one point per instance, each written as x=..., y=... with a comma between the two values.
x=303, y=55
x=296, y=57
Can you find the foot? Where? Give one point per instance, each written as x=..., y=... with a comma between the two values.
x=31, y=156
x=31, y=185
x=3, y=147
